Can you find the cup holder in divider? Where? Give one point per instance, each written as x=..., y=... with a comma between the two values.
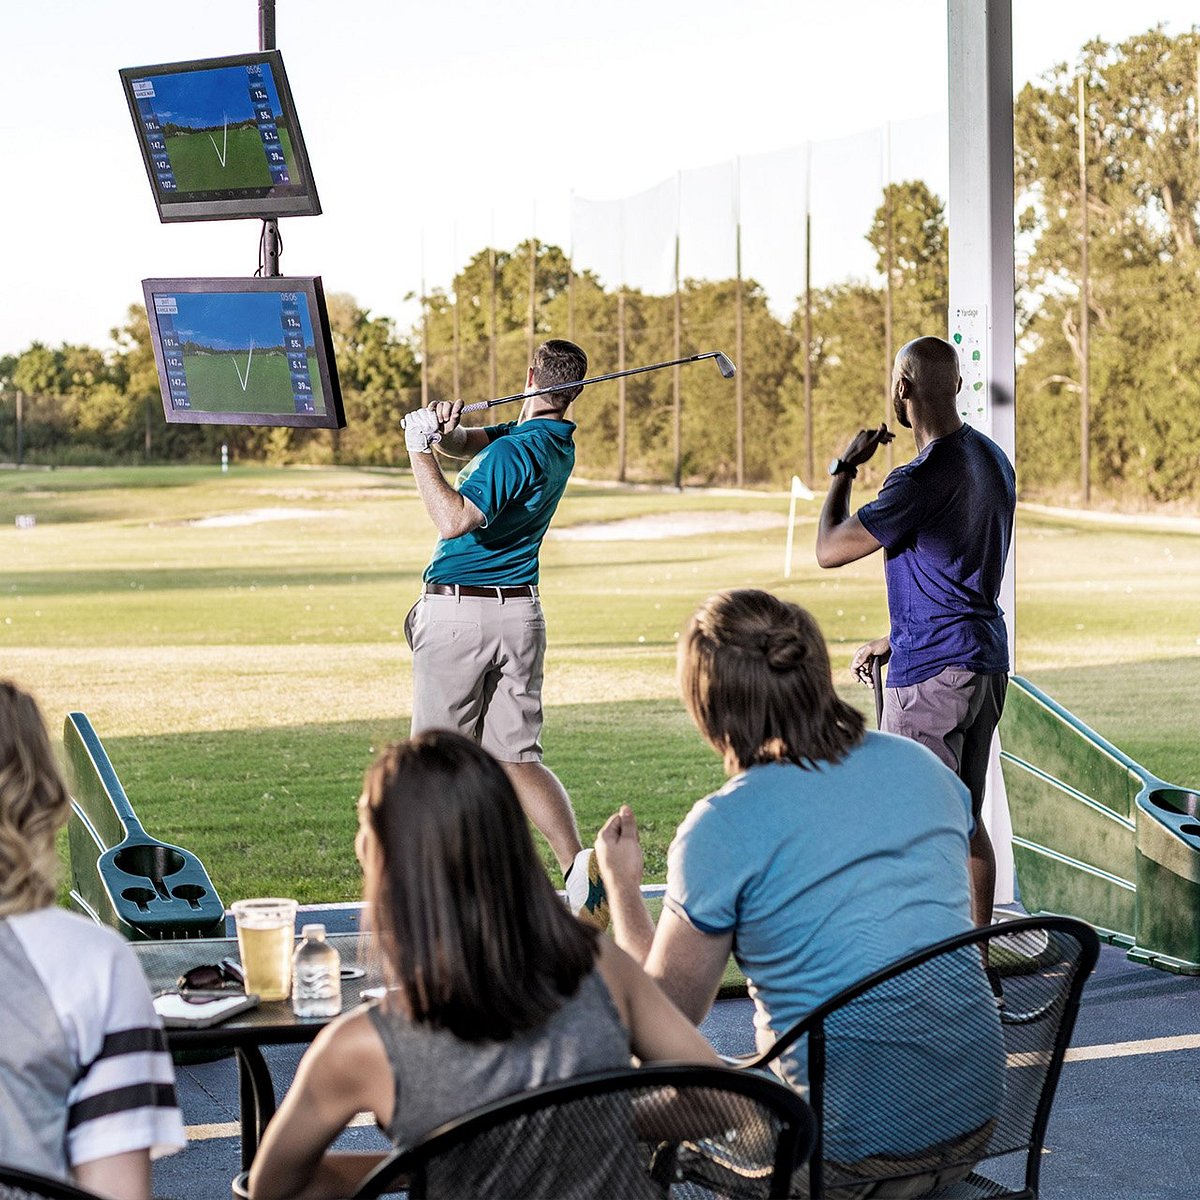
x=141, y=896
x=1177, y=801
x=190, y=893
x=154, y=862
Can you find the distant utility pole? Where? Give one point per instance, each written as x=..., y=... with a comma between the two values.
x=1085, y=438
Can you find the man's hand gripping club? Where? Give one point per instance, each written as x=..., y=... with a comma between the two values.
x=425, y=427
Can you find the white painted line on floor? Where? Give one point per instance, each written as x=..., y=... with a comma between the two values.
x=1162, y=1045
x=230, y=1129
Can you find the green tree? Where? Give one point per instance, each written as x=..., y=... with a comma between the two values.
x=1141, y=147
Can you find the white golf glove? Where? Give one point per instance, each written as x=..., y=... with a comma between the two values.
x=421, y=431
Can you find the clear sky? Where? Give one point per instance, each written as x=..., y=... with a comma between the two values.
x=447, y=123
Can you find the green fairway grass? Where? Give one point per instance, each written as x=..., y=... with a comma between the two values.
x=242, y=676
x=197, y=166
x=214, y=386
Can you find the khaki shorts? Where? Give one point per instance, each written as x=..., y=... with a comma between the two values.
x=477, y=669
x=955, y=714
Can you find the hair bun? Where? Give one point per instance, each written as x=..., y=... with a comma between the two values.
x=784, y=649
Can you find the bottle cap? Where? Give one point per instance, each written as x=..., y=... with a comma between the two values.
x=316, y=932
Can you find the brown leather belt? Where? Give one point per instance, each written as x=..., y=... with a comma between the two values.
x=526, y=591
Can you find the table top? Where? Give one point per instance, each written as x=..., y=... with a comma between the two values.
x=273, y=1021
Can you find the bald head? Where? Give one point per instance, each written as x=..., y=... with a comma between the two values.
x=925, y=381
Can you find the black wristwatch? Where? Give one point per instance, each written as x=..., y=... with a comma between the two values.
x=838, y=467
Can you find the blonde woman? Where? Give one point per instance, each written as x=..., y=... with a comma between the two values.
x=87, y=1090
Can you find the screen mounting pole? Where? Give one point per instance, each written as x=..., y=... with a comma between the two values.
x=270, y=234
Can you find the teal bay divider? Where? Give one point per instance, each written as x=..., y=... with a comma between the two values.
x=120, y=875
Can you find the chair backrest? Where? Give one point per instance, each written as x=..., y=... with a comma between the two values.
x=18, y=1184
x=629, y=1133
x=916, y=1078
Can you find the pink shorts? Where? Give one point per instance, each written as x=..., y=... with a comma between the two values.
x=478, y=664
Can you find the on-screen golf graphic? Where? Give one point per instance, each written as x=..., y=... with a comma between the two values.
x=239, y=352
x=215, y=131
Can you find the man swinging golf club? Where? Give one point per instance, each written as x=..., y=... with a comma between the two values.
x=477, y=633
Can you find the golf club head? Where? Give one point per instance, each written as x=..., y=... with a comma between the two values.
x=725, y=365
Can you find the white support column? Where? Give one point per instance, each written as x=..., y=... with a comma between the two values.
x=981, y=276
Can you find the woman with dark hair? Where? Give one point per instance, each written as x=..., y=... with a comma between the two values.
x=87, y=1090
x=830, y=853
x=496, y=988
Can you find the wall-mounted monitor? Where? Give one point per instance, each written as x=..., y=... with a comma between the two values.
x=220, y=138
x=244, y=351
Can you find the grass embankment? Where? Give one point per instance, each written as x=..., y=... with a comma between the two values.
x=242, y=676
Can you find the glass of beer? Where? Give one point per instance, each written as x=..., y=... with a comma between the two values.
x=266, y=930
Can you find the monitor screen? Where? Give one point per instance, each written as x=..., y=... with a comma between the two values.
x=244, y=351
x=220, y=139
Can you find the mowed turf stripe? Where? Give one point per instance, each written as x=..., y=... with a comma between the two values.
x=1163, y=1045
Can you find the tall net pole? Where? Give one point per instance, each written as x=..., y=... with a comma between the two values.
x=622, y=431
x=810, y=466
x=890, y=257
x=492, y=317
x=739, y=393
x=532, y=330
x=424, y=337
x=455, y=333
x=1085, y=318
x=676, y=392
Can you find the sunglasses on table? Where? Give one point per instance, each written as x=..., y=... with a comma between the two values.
x=200, y=984
x=203, y=981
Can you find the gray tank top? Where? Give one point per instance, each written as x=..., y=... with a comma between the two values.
x=590, y=1153
x=439, y=1077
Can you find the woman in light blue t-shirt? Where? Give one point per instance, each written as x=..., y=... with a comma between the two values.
x=829, y=853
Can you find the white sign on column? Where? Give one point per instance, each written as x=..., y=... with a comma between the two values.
x=969, y=333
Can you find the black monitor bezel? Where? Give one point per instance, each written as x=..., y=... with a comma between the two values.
x=302, y=203
x=334, y=416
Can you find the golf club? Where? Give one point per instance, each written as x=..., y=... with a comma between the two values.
x=724, y=365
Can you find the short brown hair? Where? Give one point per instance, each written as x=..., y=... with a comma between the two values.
x=755, y=678
x=559, y=361
x=34, y=805
x=475, y=937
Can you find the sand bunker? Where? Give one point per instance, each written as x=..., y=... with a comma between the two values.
x=654, y=528
x=259, y=516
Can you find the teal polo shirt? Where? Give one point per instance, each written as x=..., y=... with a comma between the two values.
x=516, y=481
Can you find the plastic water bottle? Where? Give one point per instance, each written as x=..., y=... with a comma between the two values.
x=316, y=976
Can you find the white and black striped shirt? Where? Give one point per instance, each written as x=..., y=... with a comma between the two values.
x=84, y=1069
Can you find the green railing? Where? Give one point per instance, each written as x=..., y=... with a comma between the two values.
x=1096, y=836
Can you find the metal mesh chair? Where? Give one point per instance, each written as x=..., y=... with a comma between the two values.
x=678, y=1131
x=17, y=1184
x=921, y=1087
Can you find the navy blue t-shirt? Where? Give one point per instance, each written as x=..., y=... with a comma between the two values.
x=516, y=482
x=945, y=521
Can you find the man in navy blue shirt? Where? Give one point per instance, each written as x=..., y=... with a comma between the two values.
x=944, y=522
